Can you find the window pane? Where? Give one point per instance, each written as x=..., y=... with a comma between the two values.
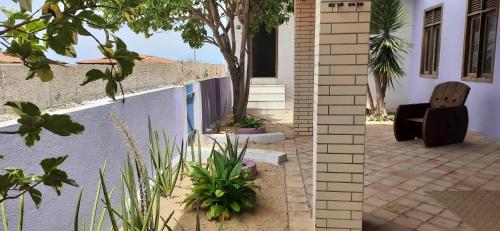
x=489, y=44
x=430, y=50
x=474, y=45
x=425, y=51
x=437, y=46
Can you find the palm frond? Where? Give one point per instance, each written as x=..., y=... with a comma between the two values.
x=386, y=47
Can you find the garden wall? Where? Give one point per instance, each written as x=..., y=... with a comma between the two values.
x=101, y=141
x=65, y=88
x=217, y=100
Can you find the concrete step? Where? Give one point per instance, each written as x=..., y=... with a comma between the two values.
x=275, y=105
x=263, y=81
x=275, y=89
x=266, y=97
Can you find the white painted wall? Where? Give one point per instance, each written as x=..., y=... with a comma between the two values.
x=286, y=56
x=399, y=95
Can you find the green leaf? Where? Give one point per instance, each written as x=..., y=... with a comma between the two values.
x=235, y=206
x=31, y=74
x=45, y=74
x=61, y=125
x=20, y=216
x=111, y=89
x=50, y=164
x=92, y=76
x=30, y=132
x=36, y=196
x=219, y=193
x=23, y=108
x=77, y=211
x=1, y=157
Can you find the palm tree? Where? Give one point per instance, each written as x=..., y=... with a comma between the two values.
x=386, y=48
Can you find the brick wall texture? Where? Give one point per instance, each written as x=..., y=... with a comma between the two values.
x=340, y=79
x=304, y=66
x=65, y=87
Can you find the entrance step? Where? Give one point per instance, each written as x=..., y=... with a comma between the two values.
x=267, y=96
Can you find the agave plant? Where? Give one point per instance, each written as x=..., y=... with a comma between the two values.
x=131, y=216
x=162, y=161
x=250, y=122
x=222, y=187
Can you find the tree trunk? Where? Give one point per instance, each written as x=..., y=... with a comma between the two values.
x=239, y=102
x=370, y=99
x=379, y=87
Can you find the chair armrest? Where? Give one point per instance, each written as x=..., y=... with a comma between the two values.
x=445, y=125
x=401, y=130
x=412, y=110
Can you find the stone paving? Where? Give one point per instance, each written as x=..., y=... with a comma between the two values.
x=399, y=175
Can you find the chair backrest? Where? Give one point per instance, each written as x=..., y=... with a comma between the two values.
x=449, y=94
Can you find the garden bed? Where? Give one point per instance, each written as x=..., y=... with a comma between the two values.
x=270, y=211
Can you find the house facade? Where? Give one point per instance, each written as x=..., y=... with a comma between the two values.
x=457, y=40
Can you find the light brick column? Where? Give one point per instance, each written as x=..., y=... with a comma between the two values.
x=304, y=66
x=341, y=57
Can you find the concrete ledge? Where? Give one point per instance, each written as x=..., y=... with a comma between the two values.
x=257, y=155
x=264, y=138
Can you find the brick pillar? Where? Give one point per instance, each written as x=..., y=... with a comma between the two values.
x=341, y=57
x=304, y=66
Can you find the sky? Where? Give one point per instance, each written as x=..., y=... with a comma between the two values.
x=167, y=44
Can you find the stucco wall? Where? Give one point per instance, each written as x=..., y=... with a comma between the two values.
x=100, y=142
x=216, y=100
x=483, y=101
x=285, y=62
x=65, y=88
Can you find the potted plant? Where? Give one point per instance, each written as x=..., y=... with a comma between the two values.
x=251, y=125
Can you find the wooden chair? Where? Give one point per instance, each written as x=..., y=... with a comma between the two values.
x=442, y=121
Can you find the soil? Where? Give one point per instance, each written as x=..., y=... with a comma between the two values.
x=270, y=211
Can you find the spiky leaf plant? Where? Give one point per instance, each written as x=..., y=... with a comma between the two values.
x=222, y=187
x=386, y=47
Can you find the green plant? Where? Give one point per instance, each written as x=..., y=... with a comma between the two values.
x=386, y=48
x=250, y=122
x=163, y=162
x=132, y=216
x=219, y=121
x=221, y=187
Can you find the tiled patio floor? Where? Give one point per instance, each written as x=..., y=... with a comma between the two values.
x=398, y=177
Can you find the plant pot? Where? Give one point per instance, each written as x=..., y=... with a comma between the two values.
x=259, y=130
x=252, y=166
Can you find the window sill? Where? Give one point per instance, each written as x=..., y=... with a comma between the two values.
x=429, y=76
x=477, y=80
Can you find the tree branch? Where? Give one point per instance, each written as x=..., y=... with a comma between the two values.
x=21, y=193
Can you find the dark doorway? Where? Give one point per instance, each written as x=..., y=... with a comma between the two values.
x=264, y=53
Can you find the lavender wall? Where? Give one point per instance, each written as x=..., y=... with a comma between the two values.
x=216, y=99
x=101, y=142
x=484, y=99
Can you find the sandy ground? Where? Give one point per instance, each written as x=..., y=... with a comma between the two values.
x=270, y=211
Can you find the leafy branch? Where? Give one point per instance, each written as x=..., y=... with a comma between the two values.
x=17, y=180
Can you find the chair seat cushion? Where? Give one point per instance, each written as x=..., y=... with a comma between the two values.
x=416, y=120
